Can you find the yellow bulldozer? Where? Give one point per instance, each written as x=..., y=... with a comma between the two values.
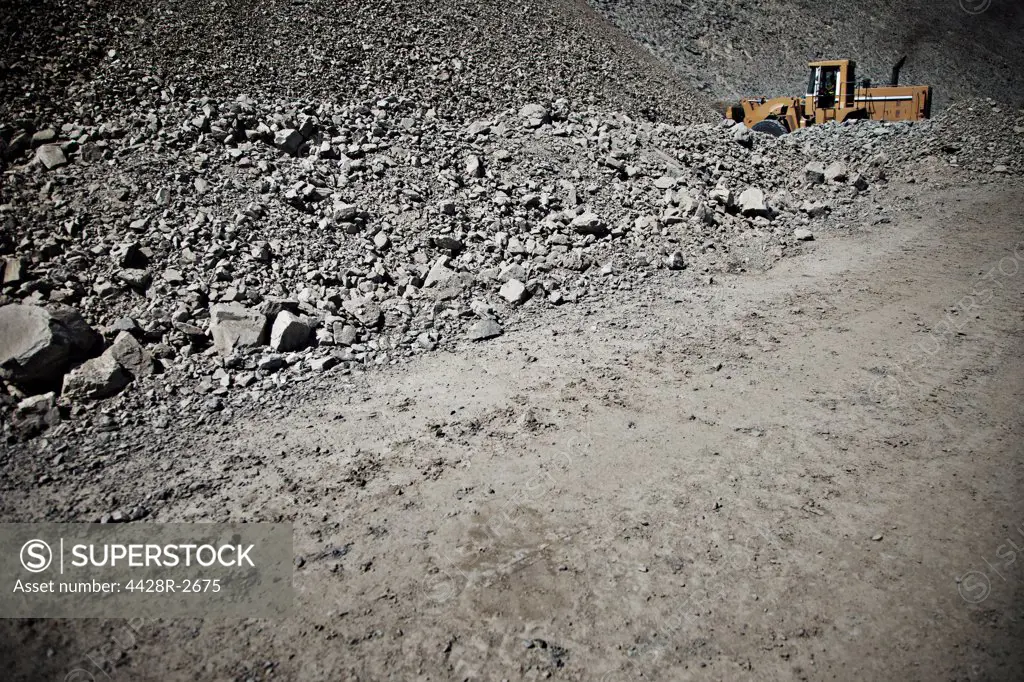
x=833, y=94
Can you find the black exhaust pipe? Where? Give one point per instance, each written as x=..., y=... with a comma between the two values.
x=895, y=80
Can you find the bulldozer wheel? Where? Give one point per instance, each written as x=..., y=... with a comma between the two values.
x=769, y=127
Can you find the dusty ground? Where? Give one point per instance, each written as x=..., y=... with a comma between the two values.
x=591, y=497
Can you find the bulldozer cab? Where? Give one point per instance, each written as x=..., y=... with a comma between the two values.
x=829, y=88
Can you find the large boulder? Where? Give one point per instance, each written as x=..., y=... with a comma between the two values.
x=233, y=326
x=290, y=332
x=289, y=141
x=36, y=344
x=513, y=291
x=95, y=379
x=51, y=156
x=751, y=202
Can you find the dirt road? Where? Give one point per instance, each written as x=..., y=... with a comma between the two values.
x=779, y=475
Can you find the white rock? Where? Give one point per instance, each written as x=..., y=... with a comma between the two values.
x=751, y=202
x=51, y=156
x=836, y=172
x=533, y=111
x=513, y=291
x=289, y=332
x=742, y=135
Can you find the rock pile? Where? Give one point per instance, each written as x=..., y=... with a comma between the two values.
x=463, y=58
x=225, y=246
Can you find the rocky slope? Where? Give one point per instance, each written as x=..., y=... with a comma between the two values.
x=460, y=57
x=965, y=49
x=226, y=238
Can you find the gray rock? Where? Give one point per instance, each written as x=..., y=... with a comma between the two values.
x=534, y=111
x=173, y=277
x=34, y=414
x=13, y=270
x=439, y=272
x=474, y=166
x=271, y=363
x=96, y=379
x=130, y=354
x=859, y=181
x=44, y=137
x=751, y=202
x=345, y=213
x=365, y=310
x=289, y=141
x=721, y=195
x=513, y=291
x=234, y=326
x=345, y=334
x=289, y=332
x=450, y=244
x=685, y=202
x=323, y=364
x=135, y=278
x=85, y=341
x=589, y=223
x=131, y=255
x=37, y=344
x=803, y=235
x=815, y=172
x=814, y=209
x=125, y=324
x=836, y=172
x=51, y=156
x=742, y=135
x=479, y=128
x=427, y=340
x=484, y=329
x=676, y=261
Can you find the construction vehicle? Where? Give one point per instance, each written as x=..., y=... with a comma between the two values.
x=833, y=94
